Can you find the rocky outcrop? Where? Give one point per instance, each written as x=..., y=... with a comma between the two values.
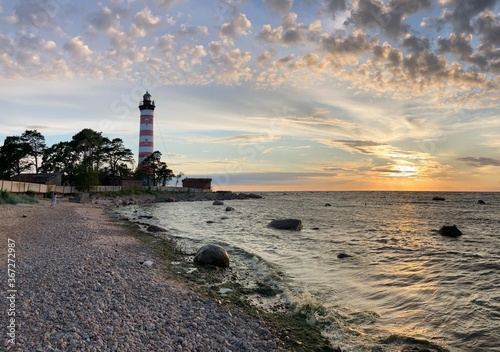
x=286, y=224
x=212, y=254
x=450, y=231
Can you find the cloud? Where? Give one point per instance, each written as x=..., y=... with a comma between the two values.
x=457, y=44
x=364, y=147
x=460, y=13
x=191, y=31
x=244, y=139
x=234, y=28
x=269, y=34
x=170, y=3
x=77, y=48
x=333, y=7
x=279, y=6
x=105, y=21
x=144, y=22
x=479, y=161
x=36, y=14
x=229, y=67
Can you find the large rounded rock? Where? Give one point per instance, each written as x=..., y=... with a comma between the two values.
x=212, y=254
x=286, y=224
x=450, y=231
x=218, y=202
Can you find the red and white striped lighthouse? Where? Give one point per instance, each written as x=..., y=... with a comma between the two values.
x=147, y=108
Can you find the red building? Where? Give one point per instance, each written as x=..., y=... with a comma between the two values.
x=197, y=183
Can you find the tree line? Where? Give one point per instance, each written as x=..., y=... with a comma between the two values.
x=87, y=160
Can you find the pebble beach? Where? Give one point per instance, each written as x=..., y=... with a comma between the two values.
x=84, y=283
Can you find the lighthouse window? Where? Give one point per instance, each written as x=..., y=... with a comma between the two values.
x=146, y=121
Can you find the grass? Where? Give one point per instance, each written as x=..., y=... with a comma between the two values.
x=291, y=327
x=11, y=198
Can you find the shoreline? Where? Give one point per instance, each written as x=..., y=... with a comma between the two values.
x=84, y=282
x=80, y=285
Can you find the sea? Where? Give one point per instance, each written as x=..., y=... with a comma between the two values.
x=368, y=268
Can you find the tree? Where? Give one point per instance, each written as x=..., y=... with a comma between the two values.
x=177, y=177
x=36, y=142
x=61, y=158
x=154, y=171
x=116, y=155
x=163, y=174
x=12, y=153
x=86, y=177
x=88, y=144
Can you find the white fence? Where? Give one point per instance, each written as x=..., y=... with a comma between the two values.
x=23, y=187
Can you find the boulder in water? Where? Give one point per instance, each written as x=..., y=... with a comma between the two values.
x=286, y=224
x=450, y=231
x=343, y=255
x=218, y=202
x=229, y=208
x=439, y=198
x=212, y=254
x=480, y=201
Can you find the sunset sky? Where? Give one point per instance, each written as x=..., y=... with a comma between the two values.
x=271, y=94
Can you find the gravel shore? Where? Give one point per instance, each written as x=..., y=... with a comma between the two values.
x=80, y=286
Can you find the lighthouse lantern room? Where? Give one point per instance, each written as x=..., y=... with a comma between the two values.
x=146, y=147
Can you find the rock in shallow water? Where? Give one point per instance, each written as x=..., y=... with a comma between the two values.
x=212, y=254
x=450, y=231
x=286, y=224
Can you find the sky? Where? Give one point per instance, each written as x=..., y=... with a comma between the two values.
x=280, y=95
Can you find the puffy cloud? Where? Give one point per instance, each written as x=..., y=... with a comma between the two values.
x=77, y=48
x=386, y=17
x=334, y=6
x=144, y=21
x=165, y=43
x=458, y=44
x=460, y=13
x=105, y=21
x=269, y=34
x=233, y=67
x=355, y=44
x=236, y=27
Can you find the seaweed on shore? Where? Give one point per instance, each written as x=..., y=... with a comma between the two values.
x=220, y=285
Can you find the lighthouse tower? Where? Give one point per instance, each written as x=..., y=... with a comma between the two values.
x=147, y=108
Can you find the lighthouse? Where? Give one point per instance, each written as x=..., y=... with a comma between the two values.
x=147, y=108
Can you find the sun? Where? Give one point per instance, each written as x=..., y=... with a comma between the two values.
x=406, y=170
